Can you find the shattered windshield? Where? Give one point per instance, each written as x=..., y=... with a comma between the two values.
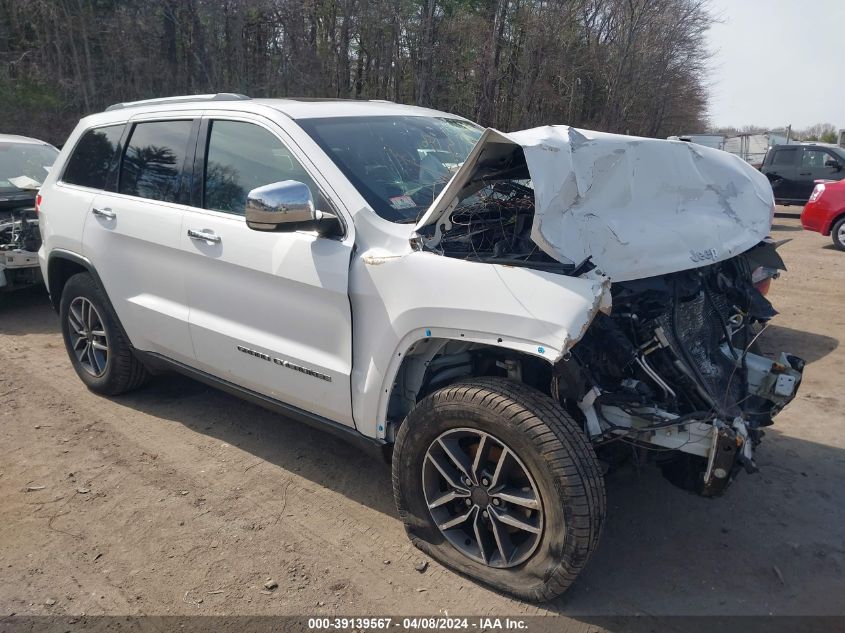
x=398, y=163
x=24, y=166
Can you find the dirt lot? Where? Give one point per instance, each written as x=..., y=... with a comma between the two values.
x=178, y=499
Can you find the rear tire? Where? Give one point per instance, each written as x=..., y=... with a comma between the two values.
x=559, y=465
x=837, y=234
x=98, y=348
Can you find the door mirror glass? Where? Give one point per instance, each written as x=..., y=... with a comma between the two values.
x=832, y=162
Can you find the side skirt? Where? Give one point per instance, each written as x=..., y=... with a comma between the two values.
x=375, y=447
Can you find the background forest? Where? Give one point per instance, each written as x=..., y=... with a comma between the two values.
x=631, y=66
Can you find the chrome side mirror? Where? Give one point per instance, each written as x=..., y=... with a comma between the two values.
x=279, y=203
x=286, y=206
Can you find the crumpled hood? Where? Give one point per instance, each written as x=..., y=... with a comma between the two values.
x=639, y=207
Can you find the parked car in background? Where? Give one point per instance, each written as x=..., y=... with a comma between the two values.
x=794, y=169
x=825, y=212
x=24, y=164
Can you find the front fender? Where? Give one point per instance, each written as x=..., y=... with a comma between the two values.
x=398, y=300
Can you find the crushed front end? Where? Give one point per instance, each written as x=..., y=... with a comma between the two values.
x=673, y=368
x=19, y=244
x=681, y=232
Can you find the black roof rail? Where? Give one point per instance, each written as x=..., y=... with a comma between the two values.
x=220, y=96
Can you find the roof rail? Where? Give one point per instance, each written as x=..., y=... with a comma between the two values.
x=220, y=96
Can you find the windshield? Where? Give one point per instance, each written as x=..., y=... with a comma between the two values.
x=398, y=163
x=26, y=164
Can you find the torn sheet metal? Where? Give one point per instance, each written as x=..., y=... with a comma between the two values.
x=639, y=207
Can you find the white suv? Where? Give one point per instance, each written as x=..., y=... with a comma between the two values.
x=502, y=312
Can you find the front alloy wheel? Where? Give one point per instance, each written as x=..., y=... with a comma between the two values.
x=482, y=497
x=494, y=479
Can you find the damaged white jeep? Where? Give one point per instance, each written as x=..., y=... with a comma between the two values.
x=503, y=311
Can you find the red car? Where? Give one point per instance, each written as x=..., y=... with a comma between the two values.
x=825, y=211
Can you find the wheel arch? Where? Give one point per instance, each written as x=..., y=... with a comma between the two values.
x=427, y=360
x=836, y=217
x=61, y=266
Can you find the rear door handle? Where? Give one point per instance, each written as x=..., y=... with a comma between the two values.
x=104, y=213
x=205, y=236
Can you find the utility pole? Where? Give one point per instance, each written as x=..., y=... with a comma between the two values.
x=788, y=132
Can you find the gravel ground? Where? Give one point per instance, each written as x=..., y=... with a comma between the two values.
x=178, y=499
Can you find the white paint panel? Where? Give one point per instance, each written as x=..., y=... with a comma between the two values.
x=283, y=295
x=400, y=299
x=137, y=256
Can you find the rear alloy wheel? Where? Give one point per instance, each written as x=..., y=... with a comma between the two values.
x=95, y=341
x=496, y=481
x=838, y=234
x=88, y=336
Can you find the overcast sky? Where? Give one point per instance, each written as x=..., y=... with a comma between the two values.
x=778, y=62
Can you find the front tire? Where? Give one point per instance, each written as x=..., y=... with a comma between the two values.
x=496, y=481
x=97, y=346
x=837, y=234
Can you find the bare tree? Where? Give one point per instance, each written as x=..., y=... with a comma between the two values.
x=824, y=132
x=636, y=66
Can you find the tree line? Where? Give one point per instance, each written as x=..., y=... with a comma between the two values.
x=630, y=66
x=820, y=132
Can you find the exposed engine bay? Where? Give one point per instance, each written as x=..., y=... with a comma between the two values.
x=671, y=367
x=493, y=223
x=20, y=240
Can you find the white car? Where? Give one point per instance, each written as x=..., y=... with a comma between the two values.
x=24, y=163
x=498, y=312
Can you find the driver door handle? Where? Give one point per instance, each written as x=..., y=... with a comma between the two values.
x=104, y=213
x=205, y=236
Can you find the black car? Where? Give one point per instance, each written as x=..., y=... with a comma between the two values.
x=793, y=170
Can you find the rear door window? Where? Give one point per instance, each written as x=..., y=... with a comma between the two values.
x=94, y=157
x=154, y=159
x=784, y=157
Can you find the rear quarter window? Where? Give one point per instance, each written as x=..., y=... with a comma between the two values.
x=93, y=157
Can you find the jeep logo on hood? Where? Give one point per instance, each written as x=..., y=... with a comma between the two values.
x=702, y=256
